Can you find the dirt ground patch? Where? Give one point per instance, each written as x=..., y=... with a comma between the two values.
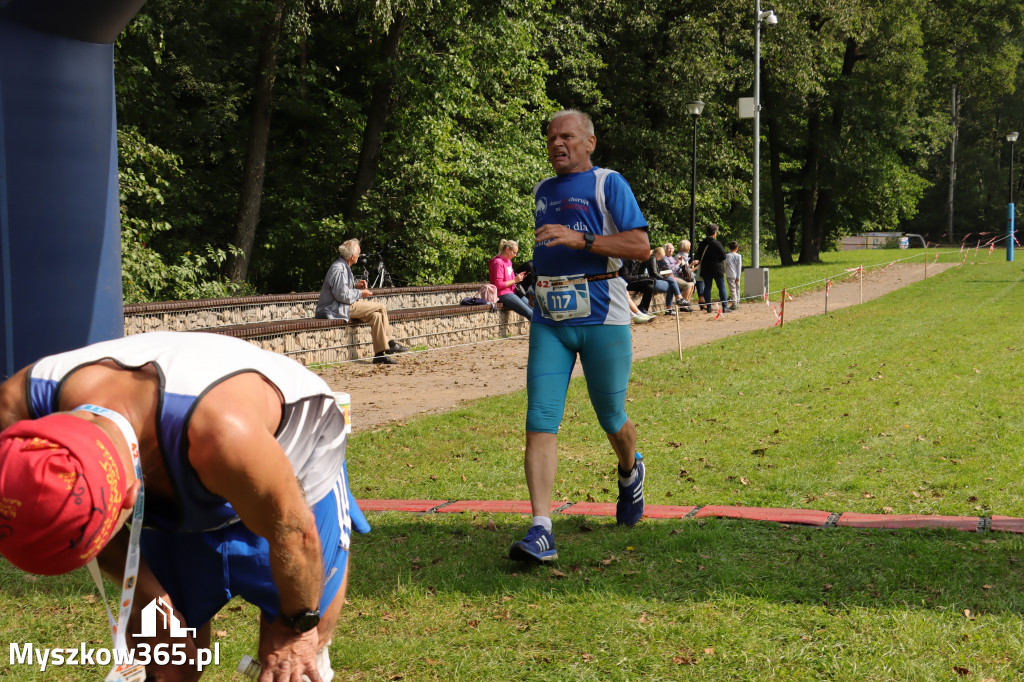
x=434, y=381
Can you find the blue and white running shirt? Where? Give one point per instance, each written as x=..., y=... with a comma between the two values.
x=189, y=364
x=598, y=201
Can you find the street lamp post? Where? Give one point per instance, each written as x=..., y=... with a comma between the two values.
x=1010, y=227
x=768, y=17
x=694, y=109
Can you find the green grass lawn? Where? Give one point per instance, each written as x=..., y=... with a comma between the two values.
x=907, y=404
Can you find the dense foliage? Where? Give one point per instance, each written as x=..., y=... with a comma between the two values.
x=255, y=136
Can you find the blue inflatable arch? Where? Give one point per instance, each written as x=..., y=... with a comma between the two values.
x=60, y=231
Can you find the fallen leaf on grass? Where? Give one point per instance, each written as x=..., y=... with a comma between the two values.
x=968, y=614
x=555, y=573
x=588, y=658
x=683, y=659
x=220, y=634
x=961, y=670
x=710, y=651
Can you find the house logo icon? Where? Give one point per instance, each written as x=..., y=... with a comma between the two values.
x=158, y=608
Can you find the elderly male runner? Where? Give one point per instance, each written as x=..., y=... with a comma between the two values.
x=243, y=460
x=586, y=220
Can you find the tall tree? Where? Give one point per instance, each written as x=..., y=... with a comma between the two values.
x=376, y=120
x=254, y=169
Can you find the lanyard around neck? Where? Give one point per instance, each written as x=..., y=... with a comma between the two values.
x=131, y=565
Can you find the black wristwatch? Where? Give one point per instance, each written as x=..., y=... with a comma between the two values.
x=303, y=621
x=588, y=241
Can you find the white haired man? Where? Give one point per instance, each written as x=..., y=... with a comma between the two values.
x=586, y=220
x=343, y=298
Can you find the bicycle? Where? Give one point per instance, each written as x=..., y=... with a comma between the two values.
x=376, y=275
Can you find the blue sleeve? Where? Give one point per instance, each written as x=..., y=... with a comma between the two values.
x=622, y=204
x=42, y=396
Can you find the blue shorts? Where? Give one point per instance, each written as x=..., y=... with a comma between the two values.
x=606, y=353
x=203, y=571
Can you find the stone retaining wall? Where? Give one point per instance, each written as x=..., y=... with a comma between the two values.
x=410, y=324
x=352, y=342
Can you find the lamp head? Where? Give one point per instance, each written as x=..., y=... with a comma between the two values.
x=768, y=17
x=694, y=108
x=1012, y=137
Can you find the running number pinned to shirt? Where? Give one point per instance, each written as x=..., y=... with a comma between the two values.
x=563, y=298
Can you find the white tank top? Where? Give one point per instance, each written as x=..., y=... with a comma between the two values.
x=311, y=433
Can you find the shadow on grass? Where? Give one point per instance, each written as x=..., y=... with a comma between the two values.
x=695, y=561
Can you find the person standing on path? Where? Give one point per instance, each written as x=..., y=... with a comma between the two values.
x=711, y=255
x=586, y=219
x=733, y=268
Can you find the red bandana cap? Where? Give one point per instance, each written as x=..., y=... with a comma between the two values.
x=62, y=485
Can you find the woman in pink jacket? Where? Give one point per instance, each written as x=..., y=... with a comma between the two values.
x=504, y=278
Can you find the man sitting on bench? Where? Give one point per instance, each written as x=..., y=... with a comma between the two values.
x=344, y=298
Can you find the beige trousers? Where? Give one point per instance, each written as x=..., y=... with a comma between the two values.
x=375, y=315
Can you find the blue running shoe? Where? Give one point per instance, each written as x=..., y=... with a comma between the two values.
x=630, y=506
x=538, y=545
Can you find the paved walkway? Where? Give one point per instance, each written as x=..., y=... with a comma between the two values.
x=807, y=517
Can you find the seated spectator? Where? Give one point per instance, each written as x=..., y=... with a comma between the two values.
x=662, y=282
x=681, y=274
x=669, y=258
x=693, y=265
x=638, y=316
x=341, y=298
x=635, y=281
x=503, y=276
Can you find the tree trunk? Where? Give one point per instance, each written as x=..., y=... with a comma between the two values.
x=809, y=246
x=782, y=242
x=376, y=122
x=950, y=235
x=254, y=170
x=826, y=166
